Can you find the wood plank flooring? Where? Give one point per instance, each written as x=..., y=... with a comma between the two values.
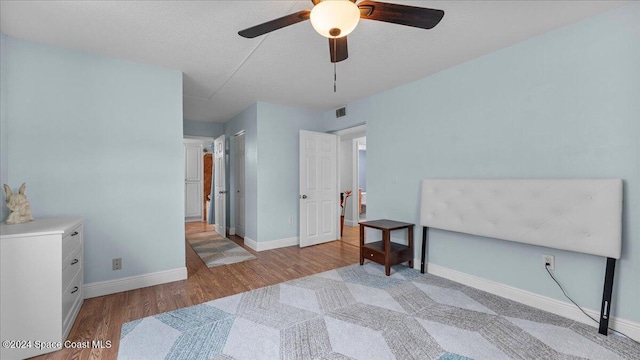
x=101, y=318
x=351, y=235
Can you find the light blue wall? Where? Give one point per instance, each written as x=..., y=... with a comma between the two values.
x=564, y=104
x=362, y=169
x=100, y=138
x=278, y=168
x=202, y=128
x=4, y=212
x=246, y=121
x=271, y=184
x=356, y=118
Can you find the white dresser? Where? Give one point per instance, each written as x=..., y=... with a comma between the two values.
x=41, y=285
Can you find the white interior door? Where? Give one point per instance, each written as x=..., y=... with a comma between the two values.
x=239, y=196
x=193, y=182
x=318, y=188
x=220, y=191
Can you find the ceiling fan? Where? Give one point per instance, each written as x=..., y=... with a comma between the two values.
x=335, y=19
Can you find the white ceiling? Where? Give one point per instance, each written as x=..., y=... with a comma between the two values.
x=224, y=73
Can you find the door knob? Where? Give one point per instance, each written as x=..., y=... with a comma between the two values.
x=303, y=196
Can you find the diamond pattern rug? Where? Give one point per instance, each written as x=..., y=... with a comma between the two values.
x=357, y=312
x=215, y=250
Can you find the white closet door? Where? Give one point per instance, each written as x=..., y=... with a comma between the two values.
x=220, y=191
x=193, y=182
x=239, y=140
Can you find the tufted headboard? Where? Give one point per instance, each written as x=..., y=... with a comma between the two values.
x=582, y=215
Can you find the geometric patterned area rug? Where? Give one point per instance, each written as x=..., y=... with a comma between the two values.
x=356, y=312
x=215, y=250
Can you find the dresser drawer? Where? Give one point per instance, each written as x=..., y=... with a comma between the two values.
x=71, y=266
x=71, y=241
x=70, y=296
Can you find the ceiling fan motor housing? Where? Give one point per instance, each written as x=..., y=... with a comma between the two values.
x=335, y=18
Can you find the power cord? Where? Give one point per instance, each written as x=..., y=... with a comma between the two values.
x=546, y=267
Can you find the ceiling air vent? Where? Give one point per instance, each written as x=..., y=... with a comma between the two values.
x=341, y=112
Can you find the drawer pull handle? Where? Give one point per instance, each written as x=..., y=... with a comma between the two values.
x=75, y=289
x=75, y=261
x=74, y=233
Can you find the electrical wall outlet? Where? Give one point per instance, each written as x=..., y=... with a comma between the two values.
x=291, y=219
x=549, y=259
x=117, y=263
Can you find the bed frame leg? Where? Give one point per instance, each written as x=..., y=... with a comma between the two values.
x=424, y=248
x=606, y=296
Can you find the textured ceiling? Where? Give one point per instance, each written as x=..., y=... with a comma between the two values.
x=224, y=73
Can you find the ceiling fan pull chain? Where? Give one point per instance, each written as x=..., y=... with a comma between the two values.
x=335, y=77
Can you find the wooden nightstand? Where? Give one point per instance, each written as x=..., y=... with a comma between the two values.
x=385, y=252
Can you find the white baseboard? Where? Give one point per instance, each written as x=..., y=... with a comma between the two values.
x=273, y=244
x=351, y=223
x=232, y=231
x=102, y=288
x=252, y=244
x=551, y=305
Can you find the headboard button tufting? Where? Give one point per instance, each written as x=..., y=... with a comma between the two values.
x=553, y=213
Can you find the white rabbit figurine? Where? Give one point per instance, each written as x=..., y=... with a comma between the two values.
x=19, y=206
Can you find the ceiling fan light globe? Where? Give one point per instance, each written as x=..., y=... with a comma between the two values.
x=335, y=14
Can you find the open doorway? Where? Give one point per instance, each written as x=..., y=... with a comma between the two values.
x=361, y=169
x=197, y=178
x=351, y=178
x=207, y=166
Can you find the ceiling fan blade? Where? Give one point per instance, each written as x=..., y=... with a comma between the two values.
x=424, y=18
x=338, y=49
x=275, y=24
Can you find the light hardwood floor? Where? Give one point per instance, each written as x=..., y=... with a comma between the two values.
x=351, y=235
x=101, y=318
